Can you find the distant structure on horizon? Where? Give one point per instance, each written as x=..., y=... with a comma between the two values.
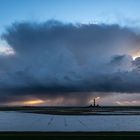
x=94, y=103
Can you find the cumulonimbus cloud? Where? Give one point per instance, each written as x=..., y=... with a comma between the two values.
x=54, y=57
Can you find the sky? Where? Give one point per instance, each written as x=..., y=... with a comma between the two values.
x=83, y=11
x=67, y=52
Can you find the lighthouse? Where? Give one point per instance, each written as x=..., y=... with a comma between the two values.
x=94, y=102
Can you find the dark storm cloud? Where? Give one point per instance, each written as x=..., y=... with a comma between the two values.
x=136, y=62
x=117, y=59
x=57, y=60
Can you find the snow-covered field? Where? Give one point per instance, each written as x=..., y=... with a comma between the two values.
x=18, y=121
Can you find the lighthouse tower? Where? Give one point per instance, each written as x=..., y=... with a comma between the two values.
x=94, y=102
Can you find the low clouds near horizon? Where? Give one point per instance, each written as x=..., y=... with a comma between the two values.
x=69, y=61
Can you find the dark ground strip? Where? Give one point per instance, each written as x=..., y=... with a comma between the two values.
x=103, y=110
x=34, y=133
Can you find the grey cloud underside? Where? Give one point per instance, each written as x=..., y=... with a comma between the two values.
x=53, y=59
